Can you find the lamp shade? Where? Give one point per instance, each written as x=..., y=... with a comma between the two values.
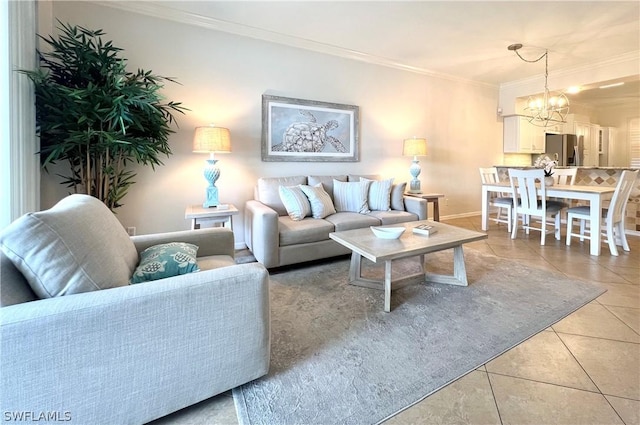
x=414, y=147
x=212, y=139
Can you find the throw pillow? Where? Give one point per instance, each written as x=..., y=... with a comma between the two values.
x=295, y=202
x=166, y=260
x=267, y=190
x=351, y=196
x=321, y=205
x=78, y=245
x=379, y=196
x=397, y=196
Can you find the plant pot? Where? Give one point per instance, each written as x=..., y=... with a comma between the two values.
x=548, y=180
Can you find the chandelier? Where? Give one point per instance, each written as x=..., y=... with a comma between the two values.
x=548, y=108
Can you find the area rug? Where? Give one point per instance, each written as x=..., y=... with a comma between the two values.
x=338, y=358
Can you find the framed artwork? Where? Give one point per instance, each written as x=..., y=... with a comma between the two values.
x=308, y=130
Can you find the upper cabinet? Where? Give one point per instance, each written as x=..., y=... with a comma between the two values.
x=520, y=136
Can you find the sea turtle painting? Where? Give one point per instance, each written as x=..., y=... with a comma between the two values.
x=309, y=136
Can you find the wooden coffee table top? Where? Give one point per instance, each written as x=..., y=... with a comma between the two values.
x=365, y=243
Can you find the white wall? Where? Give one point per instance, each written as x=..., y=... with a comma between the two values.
x=222, y=79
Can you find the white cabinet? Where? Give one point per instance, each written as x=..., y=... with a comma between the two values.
x=520, y=136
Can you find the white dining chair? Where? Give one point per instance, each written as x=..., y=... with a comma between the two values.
x=613, y=226
x=529, y=188
x=564, y=176
x=502, y=201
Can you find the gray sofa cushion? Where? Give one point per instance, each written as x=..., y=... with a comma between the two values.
x=215, y=262
x=393, y=217
x=268, y=190
x=14, y=289
x=397, y=196
x=303, y=231
x=350, y=220
x=356, y=177
x=76, y=246
x=327, y=182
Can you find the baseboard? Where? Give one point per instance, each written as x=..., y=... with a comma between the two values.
x=239, y=245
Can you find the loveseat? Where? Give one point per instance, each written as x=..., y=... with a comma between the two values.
x=127, y=353
x=279, y=234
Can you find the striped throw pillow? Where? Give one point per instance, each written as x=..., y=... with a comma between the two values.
x=351, y=196
x=295, y=202
x=379, y=197
x=321, y=204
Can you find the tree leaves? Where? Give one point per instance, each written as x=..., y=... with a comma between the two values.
x=97, y=116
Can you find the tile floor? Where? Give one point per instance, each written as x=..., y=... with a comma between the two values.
x=585, y=369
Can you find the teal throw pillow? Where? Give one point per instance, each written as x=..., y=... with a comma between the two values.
x=166, y=260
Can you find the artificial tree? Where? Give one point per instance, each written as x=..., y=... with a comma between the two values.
x=95, y=115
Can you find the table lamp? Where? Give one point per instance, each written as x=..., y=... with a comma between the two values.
x=211, y=139
x=414, y=147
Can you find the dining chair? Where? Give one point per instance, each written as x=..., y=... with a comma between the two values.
x=564, y=176
x=530, y=191
x=613, y=226
x=502, y=201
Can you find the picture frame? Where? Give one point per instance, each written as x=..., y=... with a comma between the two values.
x=309, y=130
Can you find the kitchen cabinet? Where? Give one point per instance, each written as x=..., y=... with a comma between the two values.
x=520, y=136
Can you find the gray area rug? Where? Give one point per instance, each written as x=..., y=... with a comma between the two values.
x=337, y=358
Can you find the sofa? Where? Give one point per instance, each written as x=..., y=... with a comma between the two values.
x=279, y=234
x=104, y=351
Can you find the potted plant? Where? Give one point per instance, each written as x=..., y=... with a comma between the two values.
x=95, y=115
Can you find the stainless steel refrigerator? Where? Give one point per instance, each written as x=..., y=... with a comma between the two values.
x=567, y=148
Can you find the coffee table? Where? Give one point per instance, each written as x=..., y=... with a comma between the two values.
x=363, y=243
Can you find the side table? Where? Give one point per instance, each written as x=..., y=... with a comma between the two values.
x=197, y=213
x=430, y=197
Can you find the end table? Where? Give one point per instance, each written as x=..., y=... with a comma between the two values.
x=220, y=214
x=430, y=197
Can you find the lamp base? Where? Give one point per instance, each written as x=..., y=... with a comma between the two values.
x=414, y=186
x=212, y=198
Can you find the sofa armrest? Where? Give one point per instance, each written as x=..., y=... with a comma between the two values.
x=416, y=206
x=210, y=241
x=261, y=232
x=134, y=353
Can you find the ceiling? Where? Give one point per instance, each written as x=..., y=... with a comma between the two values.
x=460, y=39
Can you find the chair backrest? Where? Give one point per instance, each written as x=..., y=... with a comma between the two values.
x=565, y=176
x=618, y=204
x=489, y=175
x=524, y=186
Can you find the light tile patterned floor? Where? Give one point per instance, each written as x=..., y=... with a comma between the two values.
x=585, y=369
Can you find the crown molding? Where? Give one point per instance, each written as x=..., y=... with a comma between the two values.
x=630, y=57
x=162, y=11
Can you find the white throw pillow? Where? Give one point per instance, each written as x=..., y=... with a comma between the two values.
x=321, y=205
x=351, y=196
x=379, y=198
x=295, y=202
x=76, y=246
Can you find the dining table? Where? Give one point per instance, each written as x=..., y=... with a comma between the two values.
x=594, y=195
